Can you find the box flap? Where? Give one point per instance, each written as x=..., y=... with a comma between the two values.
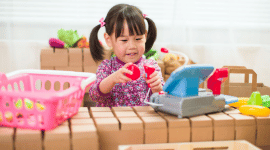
x=243, y=120
x=175, y=122
x=201, y=121
x=154, y=122
x=107, y=124
x=131, y=123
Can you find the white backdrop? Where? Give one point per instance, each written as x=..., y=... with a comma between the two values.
x=217, y=32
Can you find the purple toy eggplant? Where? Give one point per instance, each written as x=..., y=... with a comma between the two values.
x=56, y=43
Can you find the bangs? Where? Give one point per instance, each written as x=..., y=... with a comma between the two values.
x=134, y=19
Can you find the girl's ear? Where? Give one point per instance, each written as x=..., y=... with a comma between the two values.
x=108, y=39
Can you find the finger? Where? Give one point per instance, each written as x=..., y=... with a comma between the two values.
x=153, y=79
x=126, y=65
x=156, y=83
x=125, y=70
x=125, y=78
x=157, y=88
x=153, y=74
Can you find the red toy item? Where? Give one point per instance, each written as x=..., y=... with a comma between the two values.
x=149, y=70
x=136, y=72
x=164, y=50
x=56, y=43
x=214, y=82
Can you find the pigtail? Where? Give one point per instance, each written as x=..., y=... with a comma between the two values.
x=96, y=49
x=151, y=35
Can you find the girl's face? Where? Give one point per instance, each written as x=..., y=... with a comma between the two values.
x=127, y=48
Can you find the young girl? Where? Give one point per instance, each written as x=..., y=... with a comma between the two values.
x=127, y=35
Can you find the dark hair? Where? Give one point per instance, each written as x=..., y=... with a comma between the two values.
x=114, y=22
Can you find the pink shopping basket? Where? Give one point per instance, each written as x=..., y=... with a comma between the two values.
x=41, y=99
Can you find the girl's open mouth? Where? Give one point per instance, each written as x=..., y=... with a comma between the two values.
x=131, y=54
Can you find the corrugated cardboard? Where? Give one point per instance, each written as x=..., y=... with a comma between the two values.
x=81, y=115
x=6, y=138
x=223, y=127
x=70, y=68
x=75, y=57
x=84, y=137
x=121, y=109
x=155, y=130
x=245, y=127
x=121, y=114
x=243, y=89
x=27, y=139
x=143, y=108
x=58, y=138
x=47, y=68
x=162, y=67
x=201, y=128
x=263, y=131
x=178, y=129
x=102, y=114
x=50, y=58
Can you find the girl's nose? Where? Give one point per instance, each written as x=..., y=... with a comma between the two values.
x=132, y=44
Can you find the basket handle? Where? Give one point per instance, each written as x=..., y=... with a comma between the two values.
x=87, y=81
x=240, y=70
x=3, y=78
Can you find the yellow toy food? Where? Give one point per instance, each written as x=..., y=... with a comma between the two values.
x=254, y=110
x=169, y=57
x=8, y=116
x=241, y=101
x=40, y=107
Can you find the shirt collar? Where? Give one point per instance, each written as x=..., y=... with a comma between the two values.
x=123, y=63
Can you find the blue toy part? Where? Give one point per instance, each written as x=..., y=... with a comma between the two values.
x=230, y=99
x=185, y=80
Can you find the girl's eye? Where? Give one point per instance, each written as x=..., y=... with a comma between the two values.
x=138, y=38
x=124, y=40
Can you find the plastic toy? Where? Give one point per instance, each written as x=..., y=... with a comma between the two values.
x=255, y=99
x=266, y=101
x=70, y=37
x=24, y=105
x=214, y=83
x=255, y=110
x=241, y=101
x=83, y=43
x=182, y=96
x=135, y=72
x=152, y=54
x=56, y=43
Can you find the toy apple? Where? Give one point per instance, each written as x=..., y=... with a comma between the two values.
x=135, y=72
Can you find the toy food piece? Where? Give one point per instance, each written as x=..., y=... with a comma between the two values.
x=8, y=116
x=255, y=99
x=266, y=100
x=83, y=43
x=169, y=57
x=1, y=118
x=254, y=110
x=40, y=107
x=28, y=103
x=136, y=72
x=241, y=101
x=56, y=43
x=18, y=104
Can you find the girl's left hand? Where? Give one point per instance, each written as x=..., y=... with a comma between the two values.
x=155, y=82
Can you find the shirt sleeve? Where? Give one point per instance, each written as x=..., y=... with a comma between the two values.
x=103, y=71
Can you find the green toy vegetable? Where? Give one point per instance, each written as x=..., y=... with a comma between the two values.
x=266, y=100
x=70, y=37
x=255, y=99
x=152, y=54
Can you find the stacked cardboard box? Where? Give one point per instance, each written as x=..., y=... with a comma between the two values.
x=110, y=128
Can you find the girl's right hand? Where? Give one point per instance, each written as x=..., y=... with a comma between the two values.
x=120, y=77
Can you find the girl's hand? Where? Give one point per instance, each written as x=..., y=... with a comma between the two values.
x=120, y=77
x=155, y=82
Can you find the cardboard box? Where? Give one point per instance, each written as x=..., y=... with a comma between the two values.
x=201, y=129
x=49, y=58
x=230, y=110
x=81, y=115
x=263, y=128
x=100, y=109
x=83, y=109
x=114, y=109
x=178, y=129
x=27, y=139
x=245, y=127
x=70, y=68
x=102, y=114
x=121, y=114
x=6, y=138
x=58, y=138
x=147, y=114
x=155, y=130
x=143, y=108
x=231, y=145
x=162, y=67
x=223, y=127
x=166, y=77
x=84, y=137
x=75, y=57
x=82, y=121
x=47, y=68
